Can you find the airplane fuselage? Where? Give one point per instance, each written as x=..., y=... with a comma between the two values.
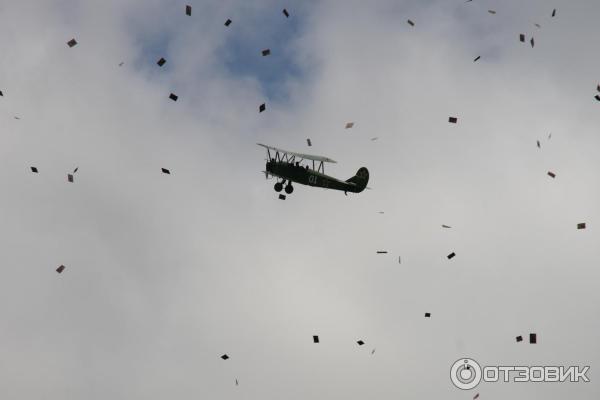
x=307, y=176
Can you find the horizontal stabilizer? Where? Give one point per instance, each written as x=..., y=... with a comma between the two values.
x=360, y=179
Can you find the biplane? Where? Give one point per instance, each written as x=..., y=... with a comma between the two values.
x=307, y=169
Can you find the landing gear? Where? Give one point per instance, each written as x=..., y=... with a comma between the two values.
x=288, y=186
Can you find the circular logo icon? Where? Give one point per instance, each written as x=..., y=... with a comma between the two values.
x=465, y=373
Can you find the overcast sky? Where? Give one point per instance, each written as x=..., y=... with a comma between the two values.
x=166, y=273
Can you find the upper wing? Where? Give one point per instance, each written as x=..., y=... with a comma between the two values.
x=305, y=156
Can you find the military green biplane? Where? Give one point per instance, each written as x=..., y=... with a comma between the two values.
x=288, y=167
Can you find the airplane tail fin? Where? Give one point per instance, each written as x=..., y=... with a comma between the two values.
x=360, y=179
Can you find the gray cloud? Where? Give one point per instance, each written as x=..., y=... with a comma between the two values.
x=166, y=273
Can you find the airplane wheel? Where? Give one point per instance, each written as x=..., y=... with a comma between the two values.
x=278, y=187
x=289, y=189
